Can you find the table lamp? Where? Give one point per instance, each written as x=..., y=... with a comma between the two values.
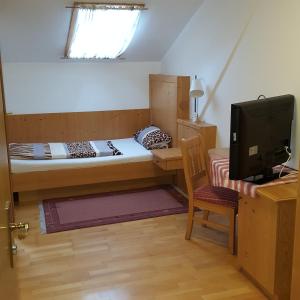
x=196, y=91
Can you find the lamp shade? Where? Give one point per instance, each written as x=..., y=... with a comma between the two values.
x=196, y=88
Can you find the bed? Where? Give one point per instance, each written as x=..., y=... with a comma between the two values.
x=132, y=152
x=135, y=160
x=134, y=163
x=119, y=126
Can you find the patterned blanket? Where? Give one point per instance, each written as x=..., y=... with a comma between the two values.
x=83, y=149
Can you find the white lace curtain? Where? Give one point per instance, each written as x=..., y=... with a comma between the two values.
x=100, y=33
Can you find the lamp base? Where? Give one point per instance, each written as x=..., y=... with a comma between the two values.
x=195, y=118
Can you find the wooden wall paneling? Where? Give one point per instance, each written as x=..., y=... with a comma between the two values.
x=295, y=294
x=169, y=100
x=183, y=97
x=75, y=126
x=163, y=103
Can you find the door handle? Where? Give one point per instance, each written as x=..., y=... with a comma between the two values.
x=22, y=229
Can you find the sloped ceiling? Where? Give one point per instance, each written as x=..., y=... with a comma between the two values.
x=36, y=30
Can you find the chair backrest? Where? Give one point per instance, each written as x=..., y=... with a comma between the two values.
x=195, y=161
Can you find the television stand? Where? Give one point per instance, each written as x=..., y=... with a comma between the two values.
x=262, y=179
x=266, y=237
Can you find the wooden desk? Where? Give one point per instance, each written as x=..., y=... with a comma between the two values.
x=295, y=295
x=266, y=236
x=265, y=228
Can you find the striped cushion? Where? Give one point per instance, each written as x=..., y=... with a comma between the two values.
x=217, y=195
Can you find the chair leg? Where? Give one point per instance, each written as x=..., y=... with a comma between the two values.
x=231, y=240
x=205, y=217
x=190, y=222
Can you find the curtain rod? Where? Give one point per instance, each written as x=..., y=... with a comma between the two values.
x=126, y=6
x=93, y=59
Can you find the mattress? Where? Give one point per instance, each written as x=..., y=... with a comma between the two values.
x=132, y=152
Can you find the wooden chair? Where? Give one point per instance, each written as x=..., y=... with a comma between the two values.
x=219, y=200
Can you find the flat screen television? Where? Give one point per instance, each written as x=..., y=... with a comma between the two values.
x=260, y=137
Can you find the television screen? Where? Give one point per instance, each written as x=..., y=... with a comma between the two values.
x=260, y=137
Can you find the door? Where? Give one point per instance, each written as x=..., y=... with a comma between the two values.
x=8, y=283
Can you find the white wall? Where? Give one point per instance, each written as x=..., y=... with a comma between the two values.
x=68, y=87
x=239, y=65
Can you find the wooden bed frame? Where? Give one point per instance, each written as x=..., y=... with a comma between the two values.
x=82, y=176
x=169, y=100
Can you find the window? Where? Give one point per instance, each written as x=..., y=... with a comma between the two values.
x=102, y=30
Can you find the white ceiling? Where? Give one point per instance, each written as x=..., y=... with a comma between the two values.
x=36, y=30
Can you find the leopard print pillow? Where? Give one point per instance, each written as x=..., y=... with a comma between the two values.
x=152, y=137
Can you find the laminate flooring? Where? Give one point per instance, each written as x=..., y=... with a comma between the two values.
x=145, y=260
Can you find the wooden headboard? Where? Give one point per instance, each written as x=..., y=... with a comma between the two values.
x=169, y=101
x=75, y=126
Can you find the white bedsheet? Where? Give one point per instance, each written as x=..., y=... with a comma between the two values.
x=132, y=152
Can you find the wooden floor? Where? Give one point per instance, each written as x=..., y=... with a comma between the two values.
x=143, y=260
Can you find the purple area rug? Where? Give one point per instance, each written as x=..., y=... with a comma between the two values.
x=108, y=208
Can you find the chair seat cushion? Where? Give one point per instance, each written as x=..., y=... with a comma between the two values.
x=217, y=195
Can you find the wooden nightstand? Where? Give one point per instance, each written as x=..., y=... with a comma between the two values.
x=168, y=159
x=188, y=128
